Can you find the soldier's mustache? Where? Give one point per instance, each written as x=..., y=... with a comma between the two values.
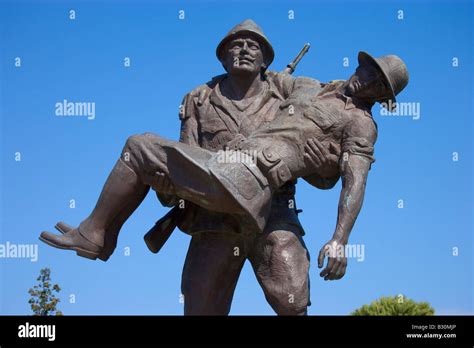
x=246, y=58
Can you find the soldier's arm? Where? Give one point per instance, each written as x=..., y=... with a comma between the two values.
x=355, y=165
x=189, y=125
x=354, y=172
x=288, y=84
x=188, y=135
x=357, y=157
x=188, y=113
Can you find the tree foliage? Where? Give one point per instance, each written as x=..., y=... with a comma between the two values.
x=43, y=299
x=396, y=305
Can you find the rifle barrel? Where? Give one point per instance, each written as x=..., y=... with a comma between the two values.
x=290, y=68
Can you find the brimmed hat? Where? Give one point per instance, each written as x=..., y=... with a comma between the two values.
x=247, y=27
x=393, y=70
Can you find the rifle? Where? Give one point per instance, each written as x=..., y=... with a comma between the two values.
x=157, y=236
x=291, y=67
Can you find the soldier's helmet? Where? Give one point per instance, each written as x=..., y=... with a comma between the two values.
x=248, y=26
x=394, y=72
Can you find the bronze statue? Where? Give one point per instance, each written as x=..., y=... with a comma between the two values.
x=295, y=127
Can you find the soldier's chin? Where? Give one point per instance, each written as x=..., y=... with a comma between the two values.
x=243, y=68
x=351, y=90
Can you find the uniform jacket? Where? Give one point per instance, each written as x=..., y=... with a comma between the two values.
x=211, y=121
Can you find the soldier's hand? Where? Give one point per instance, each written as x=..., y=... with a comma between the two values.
x=163, y=184
x=337, y=261
x=325, y=163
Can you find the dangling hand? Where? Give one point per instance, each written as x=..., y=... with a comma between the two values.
x=337, y=260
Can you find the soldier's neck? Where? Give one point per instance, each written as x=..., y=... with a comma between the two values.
x=238, y=87
x=365, y=102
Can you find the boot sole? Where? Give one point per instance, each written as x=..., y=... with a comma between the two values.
x=80, y=252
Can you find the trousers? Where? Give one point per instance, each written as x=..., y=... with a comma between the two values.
x=279, y=258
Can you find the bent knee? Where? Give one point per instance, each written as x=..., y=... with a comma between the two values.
x=136, y=147
x=283, y=239
x=135, y=141
x=287, y=253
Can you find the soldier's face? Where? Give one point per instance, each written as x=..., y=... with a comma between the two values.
x=368, y=83
x=243, y=56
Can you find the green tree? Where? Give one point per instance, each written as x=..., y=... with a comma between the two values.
x=396, y=305
x=43, y=299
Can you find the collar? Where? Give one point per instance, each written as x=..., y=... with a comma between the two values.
x=216, y=99
x=352, y=103
x=273, y=88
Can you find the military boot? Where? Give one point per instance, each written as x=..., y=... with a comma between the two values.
x=121, y=191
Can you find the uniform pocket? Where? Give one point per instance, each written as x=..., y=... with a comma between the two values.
x=324, y=117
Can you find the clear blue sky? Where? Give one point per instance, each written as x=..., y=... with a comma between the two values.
x=407, y=250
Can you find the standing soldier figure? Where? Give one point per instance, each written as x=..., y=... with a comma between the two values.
x=216, y=116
